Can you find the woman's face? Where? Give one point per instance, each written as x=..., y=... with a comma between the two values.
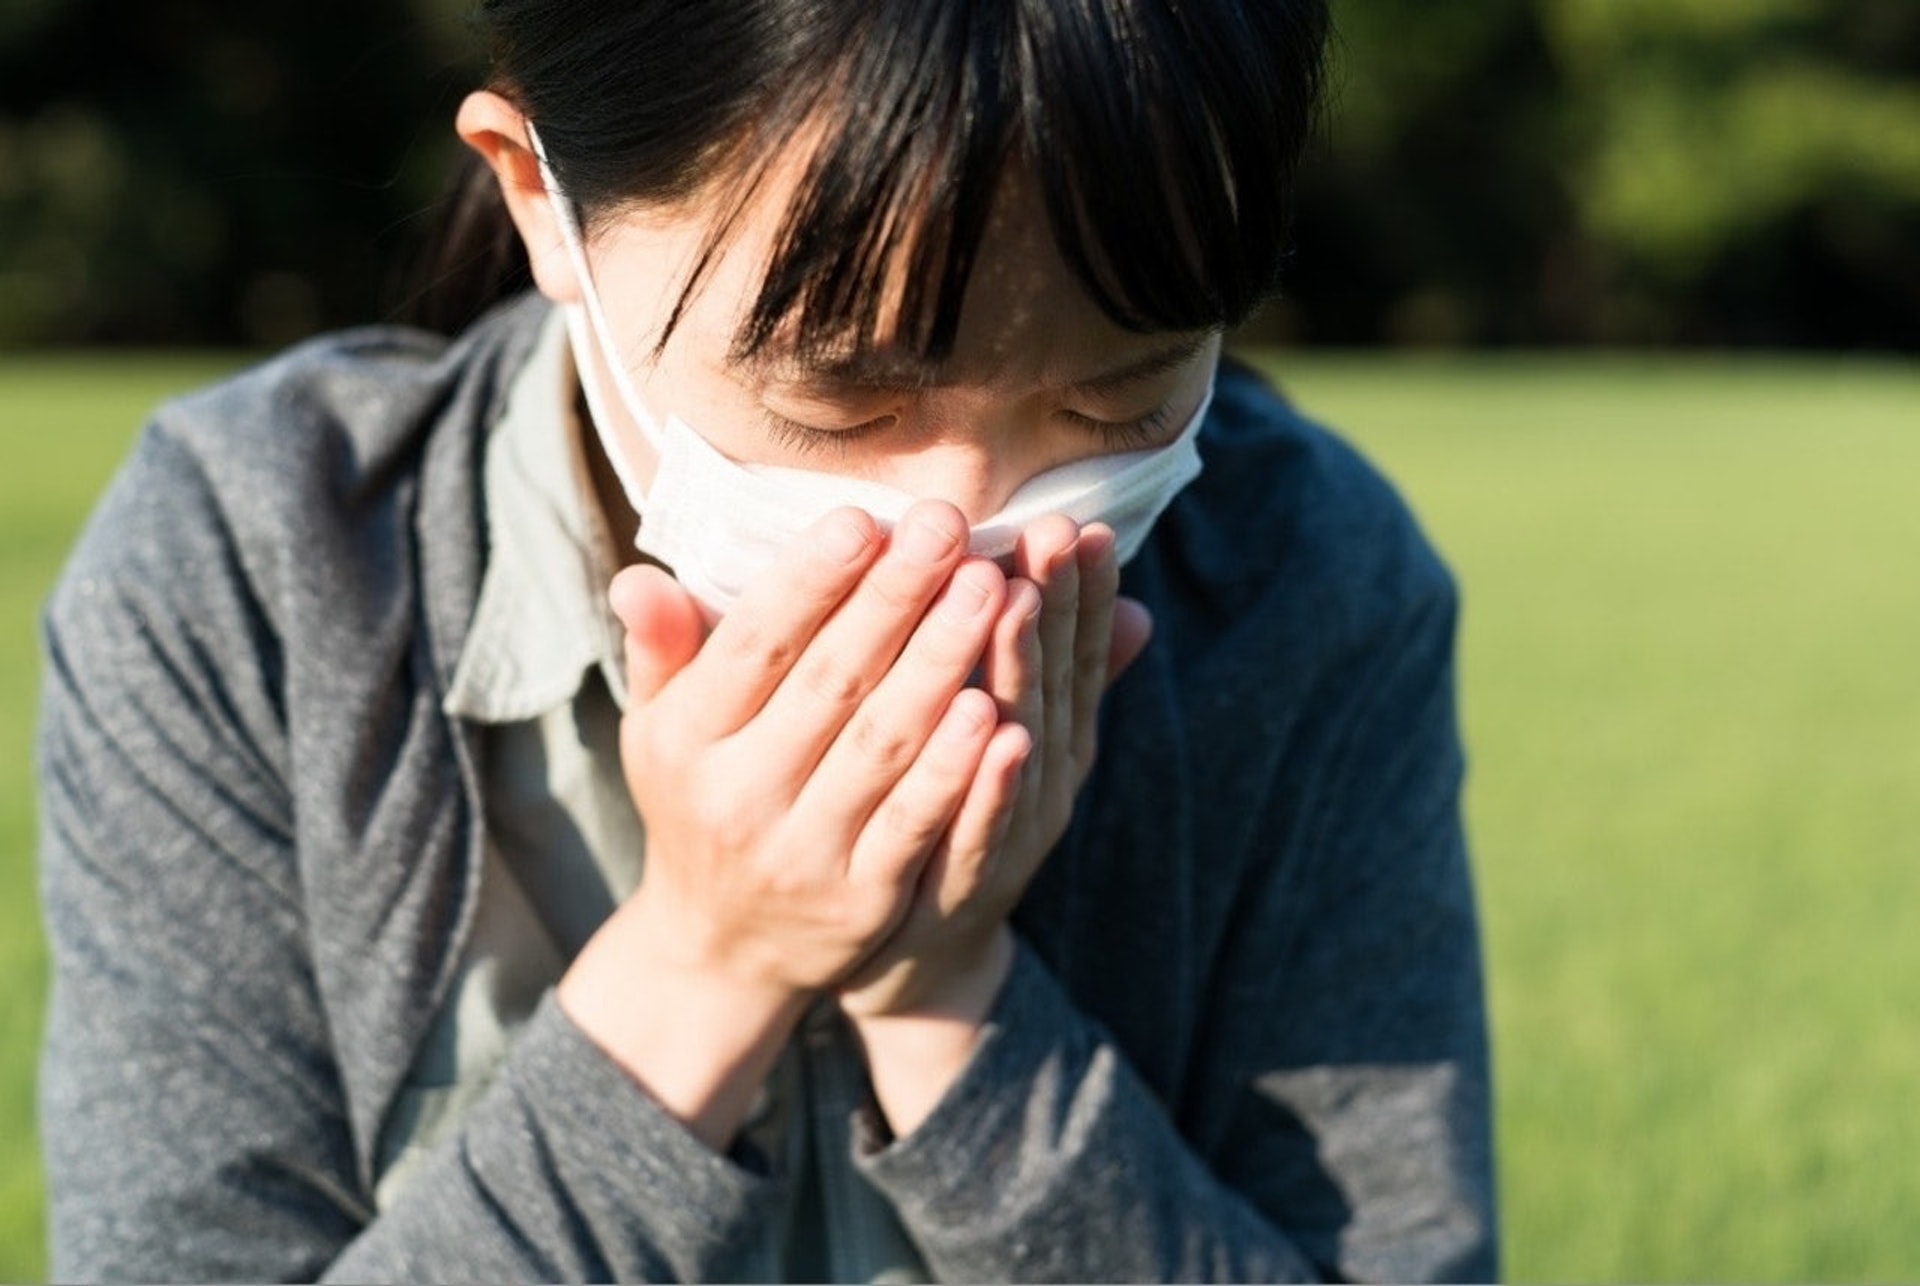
x=1038, y=376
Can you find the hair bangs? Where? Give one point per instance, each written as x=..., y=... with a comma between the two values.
x=1169, y=144
x=880, y=235
x=1164, y=144
x=1162, y=134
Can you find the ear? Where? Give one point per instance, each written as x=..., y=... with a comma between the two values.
x=497, y=130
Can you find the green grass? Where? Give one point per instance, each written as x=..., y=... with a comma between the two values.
x=64, y=424
x=1693, y=704
x=1691, y=670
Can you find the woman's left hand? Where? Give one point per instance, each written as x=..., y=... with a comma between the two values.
x=1062, y=637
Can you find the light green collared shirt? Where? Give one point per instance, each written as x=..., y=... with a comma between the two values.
x=541, y=677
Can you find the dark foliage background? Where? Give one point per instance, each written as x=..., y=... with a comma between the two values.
x=1493, y=172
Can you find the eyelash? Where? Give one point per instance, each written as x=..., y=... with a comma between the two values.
x=1148, y=430
x=805, y=438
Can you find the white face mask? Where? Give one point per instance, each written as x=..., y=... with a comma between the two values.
x=717, y=522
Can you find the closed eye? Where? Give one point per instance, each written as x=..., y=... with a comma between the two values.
x=1147, y=431
x=808, y=439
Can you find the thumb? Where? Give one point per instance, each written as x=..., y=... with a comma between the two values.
x=1132, y=627
x=663, y=626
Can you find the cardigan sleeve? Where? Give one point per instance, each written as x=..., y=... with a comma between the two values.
x=193, y=1117
x=1357, y=1142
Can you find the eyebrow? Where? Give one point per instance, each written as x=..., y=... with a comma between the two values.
x=1158, y=362
x=899, y=370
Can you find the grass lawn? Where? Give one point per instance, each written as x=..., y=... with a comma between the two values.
x=1693, y=705
x=1691, y=669
x=64, y=423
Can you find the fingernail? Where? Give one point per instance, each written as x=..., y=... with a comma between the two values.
x=1026, y=600
x=1099, y=539
x=926, y=541
x=844, y=539
x=965, y=598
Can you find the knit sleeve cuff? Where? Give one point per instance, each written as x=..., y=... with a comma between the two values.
x=618, y=1149
x=1034, y=1042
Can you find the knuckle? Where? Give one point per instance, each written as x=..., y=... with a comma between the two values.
x=648, y=746
x=1059, y=605
x=788, y=882
x=1030, y=652
x=719, y=816
x=897, y=591
x=883, y=744
x=1031, y=707
x=940, y=656
x=872, y=909
x=1057, y=685
x=908, y=823
x=1059, y=738
x=753, y=644
x=1090, y=649
x=1101, y=581
x=833, y=682
x=1063, y=579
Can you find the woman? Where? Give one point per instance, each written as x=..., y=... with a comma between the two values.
x=495, y=828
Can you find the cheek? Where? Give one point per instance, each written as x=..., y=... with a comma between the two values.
x=681, y=385
x=685, y=378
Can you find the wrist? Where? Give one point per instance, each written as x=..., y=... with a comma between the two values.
x=915, y=1054
x=696, y=1040
x=959, y=982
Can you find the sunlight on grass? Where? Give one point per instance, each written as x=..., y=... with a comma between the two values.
x=64, y=423
x=1691, y=700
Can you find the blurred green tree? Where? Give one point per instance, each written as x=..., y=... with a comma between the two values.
x=213, y=170
x=1626, y=171
x=1492, y=172
x=1732, y=149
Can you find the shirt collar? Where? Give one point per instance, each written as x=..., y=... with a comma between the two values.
x=542, y=620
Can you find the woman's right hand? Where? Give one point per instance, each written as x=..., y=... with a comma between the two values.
x=794, y=770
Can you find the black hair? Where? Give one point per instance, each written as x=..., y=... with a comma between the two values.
x=1163, y=136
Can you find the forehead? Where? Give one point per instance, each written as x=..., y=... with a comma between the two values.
x=1024, y=316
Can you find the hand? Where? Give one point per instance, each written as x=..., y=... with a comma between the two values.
x=1063, y=636
x=795, y=771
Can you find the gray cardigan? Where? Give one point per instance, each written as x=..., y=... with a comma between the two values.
x=1244, y=1037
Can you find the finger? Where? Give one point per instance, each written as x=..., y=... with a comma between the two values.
x=1011, y=674
x=1056, y=569
x=1044, y=541
x=975, y=842
x=1092, y=639
x=757, y=642
x=662, y=625
x=902, y=832
x=854, y=648
x=885, y=734
x=1132, y=630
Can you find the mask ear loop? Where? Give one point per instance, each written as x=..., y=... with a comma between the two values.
x=571, y=236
